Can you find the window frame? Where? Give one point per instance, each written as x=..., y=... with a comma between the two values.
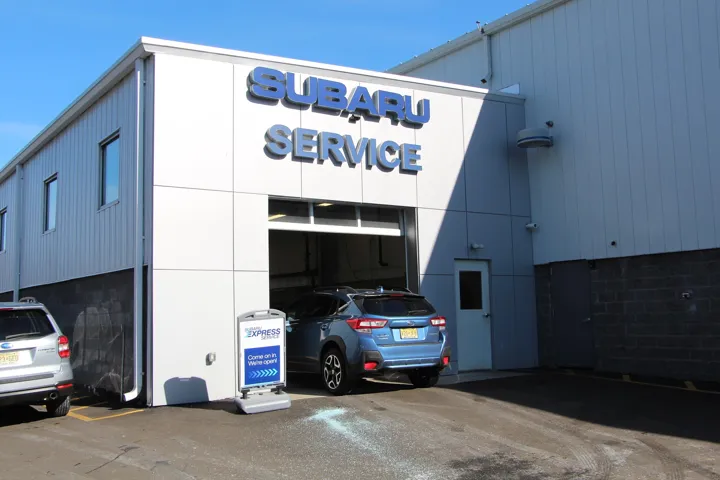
x=113, y=137
x=52, y=178
x=3, y=229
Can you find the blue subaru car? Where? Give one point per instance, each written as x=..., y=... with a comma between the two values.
x=344, y=334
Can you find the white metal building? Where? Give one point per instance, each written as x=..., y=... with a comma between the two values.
x=234, y=214
x=628, y=199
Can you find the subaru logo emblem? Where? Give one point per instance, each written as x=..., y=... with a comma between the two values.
x=410, y=323
x=5, y=346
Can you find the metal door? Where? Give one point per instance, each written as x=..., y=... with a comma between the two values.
x=574, y=343
x=472, y=306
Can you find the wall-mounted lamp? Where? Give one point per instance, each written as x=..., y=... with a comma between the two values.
x=476, y=246
x=531, y=226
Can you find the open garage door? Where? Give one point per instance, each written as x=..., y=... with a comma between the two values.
x=315, y=244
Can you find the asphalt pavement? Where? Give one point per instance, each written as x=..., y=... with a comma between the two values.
x=529, y=427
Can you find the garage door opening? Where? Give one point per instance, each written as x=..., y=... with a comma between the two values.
x=324, y=244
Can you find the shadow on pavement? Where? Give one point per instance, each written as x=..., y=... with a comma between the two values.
x=16, y=415
x=650, y=409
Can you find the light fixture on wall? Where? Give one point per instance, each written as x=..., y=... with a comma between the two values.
x=539, y=137
x=531, y=226
x=476, y=246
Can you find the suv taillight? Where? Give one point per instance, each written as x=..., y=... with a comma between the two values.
x=366, y=325
x=438, y=322
x=64, y=347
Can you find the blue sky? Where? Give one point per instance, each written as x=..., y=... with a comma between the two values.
x=52, y=50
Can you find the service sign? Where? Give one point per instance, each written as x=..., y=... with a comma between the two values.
x=262, y=352
x=318, y=146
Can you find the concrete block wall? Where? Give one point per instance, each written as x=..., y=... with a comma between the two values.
x=643, y=324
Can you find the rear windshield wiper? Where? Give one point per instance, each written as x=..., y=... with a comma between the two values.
x=416, y=312
x=31, y=334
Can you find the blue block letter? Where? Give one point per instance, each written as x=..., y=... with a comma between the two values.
x=331, y=95
x=266, y=83
x=277, y=139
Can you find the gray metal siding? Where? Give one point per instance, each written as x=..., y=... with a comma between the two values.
x=87, y=240
x=7, y=257
x=632, y=89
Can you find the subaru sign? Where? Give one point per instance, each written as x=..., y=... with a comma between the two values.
x=311, y=145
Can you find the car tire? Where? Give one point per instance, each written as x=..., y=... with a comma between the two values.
x=59, y=407
x=425, y=378
x=334, y=373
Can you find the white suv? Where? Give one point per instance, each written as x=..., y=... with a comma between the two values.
x=34, y=358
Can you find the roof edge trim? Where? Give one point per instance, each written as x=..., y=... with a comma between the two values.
x=155, y=46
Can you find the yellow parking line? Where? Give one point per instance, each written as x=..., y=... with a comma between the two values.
x=75, y=409
x=117, y=415
x=690, y=385
x=78, y=416
x=84, y=418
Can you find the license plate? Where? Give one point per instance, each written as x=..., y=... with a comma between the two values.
x=408, y=333
x=9, y=358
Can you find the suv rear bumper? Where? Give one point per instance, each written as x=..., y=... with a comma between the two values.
x=399, y=364
x=35, y=396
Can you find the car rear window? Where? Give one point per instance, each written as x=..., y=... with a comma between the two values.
x=402, y=306
x=16, y=324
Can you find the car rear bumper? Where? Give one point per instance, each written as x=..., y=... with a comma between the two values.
x=394, y=364
x=35, y=395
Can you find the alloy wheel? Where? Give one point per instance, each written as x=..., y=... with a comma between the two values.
x=332, y=371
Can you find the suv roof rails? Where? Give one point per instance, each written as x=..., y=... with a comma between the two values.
x=335, y=289
x=28, y=300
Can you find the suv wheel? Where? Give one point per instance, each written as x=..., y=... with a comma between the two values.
x=334, y=373
x=59, y=407
x=424, y=378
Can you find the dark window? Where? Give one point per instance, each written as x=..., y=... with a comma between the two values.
x=50, y=203
x=3, y=230
x=322, y=306
x=403, y=306
x=332, y=214
x=17, y=324
x=110, y=188
x=298, y=308
x=289, y=212
x=471, y=290
x=379, y=217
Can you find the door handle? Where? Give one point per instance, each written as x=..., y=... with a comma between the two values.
x=325, y=326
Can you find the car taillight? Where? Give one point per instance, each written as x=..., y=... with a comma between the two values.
x=366, y=325
x=438, y=321
x=64, y=347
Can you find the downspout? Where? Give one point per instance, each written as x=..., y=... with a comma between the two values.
x=488, y=56
x=17, y=230
x=139, y=230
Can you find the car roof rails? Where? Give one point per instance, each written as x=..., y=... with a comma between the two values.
x=336, y=289
x=28, y=300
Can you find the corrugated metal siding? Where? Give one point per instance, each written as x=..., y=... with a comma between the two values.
x=632, y=89
x=465, y=66
x=7, y=257
x=87, y=240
